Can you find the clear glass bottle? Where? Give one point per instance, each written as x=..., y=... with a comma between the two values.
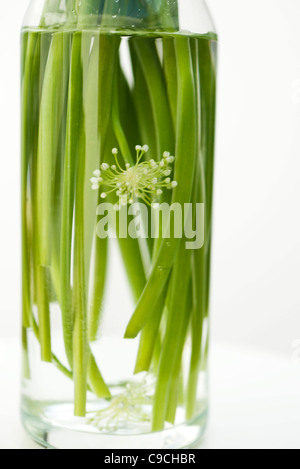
x=118, y=112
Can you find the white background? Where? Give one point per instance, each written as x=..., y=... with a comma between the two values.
x=256, y=270
x=256, y=258
x=256, y=261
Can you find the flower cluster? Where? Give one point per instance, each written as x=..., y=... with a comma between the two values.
x=145, y=180
x=126, y=409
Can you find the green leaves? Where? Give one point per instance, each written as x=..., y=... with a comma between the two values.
x=79, y=101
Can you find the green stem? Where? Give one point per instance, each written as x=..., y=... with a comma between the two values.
x=177, y=386
x=58, y=189
x=198, y=261
x=199, y=276
x=97, y=385
x=80, y=340
x=25, y=355
x=143, y=107
x=93, y=120
x=81, y=354
x=186, y=144
x=50, y=116
x=34, y=69
x=153, y=74
x=97, y=109
x=94, y=128
x=98, y=287
x=170, y=76
x=96, y=381
x=149, y=337
x=98, y=114
x=123, y=142
x=74, y=113
x=132, y=261
x=208, y=109
x=173, y=338
x=117, y=125
x=27, y=126
x=54, y=358
x=42, y=278
x=128, y=115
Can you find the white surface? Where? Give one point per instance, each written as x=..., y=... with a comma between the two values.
x=255, y=400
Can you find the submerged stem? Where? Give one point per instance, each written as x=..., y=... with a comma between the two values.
x=29, y=82
x=175, y=325
x=149, y=337
x=80, y=331
x=74, y=115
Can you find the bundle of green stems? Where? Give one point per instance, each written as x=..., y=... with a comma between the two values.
x=77, y=105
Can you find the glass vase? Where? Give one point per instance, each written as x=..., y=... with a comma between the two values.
x=118, y=113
